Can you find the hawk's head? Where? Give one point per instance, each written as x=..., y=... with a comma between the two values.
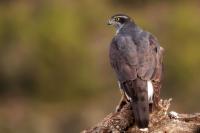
x=119, y=20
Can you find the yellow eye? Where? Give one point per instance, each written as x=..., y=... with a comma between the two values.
x=116, y=19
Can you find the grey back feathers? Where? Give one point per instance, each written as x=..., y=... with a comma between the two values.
x=132, y=53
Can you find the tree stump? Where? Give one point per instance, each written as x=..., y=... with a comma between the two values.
x=160, y=121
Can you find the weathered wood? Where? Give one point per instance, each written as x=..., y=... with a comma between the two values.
x=160, y=121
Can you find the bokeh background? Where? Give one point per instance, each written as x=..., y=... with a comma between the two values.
x=55, y=75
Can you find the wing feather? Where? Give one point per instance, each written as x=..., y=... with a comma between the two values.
x=123, y=58
x=159, y=52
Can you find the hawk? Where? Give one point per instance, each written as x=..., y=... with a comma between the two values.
x=137, y=59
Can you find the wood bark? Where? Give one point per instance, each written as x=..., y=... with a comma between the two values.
x=160, y=121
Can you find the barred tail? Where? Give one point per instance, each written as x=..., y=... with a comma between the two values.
x=137, y=91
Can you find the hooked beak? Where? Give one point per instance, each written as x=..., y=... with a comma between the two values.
x=109, y=22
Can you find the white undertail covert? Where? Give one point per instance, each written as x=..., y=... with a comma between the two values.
x=150, y=91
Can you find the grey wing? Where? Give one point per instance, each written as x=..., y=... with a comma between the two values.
x=123, y=58
x=158, y=72
x=150, y=57
x=159, y=53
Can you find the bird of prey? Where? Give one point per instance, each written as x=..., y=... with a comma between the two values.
x=137, y=59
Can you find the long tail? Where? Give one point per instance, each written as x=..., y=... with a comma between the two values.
x=137, y=92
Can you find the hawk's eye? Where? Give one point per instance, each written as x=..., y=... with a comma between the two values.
x=117, y=19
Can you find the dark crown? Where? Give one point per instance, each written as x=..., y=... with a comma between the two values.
x=121, y=15
x=122, y=18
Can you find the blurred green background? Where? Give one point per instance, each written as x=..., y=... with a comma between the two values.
x=55, y=75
